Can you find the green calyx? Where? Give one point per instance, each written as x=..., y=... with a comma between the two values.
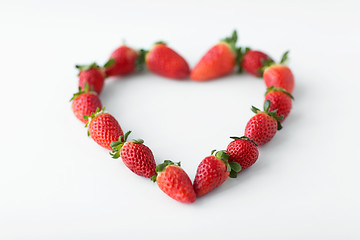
x=117, y=145
x=109, y=63
x=232, y=167
x=271, y=114
x=245, y=138
x=272, y=88
x=284, y=57
x=240, y=53
x=137, y=141
x=81, y=91
x=92, y=116
x=140, y=61
x=231, y=41
x=269, y=62
x=161, y=167
x=87, y=67
x=265, y=64
x=160, y=42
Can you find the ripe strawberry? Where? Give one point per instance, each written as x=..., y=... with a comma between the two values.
x=174, y=181
x=243, y=150
x=253, y=61
x=214, y=171
x=136, y=156
x=103, y=128
x=93, y=75
x=262, y=127
x=84, y=103
x=164, y=61
x=280, y=100
x=122, y=61
x=218, y=61
x=279, y=75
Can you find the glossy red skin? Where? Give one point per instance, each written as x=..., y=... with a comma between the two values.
x=139, y=159
x=104, y=129
x=85, y=104
x=218, y=61
x=176, y=184
x=166, y=62
x=252, y=61
x=210, y=174
x=280, y=101
x=279, y=76
x=243, y=151
x=125, y=59
x=94, y=77
x=261, y=128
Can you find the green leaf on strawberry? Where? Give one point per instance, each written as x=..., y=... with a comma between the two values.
x=109, y=63
x=232, y=167
x=87, y=67
x=161, y=167
x=117, y=145
x=272, y=88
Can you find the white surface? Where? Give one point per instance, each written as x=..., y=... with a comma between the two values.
x=55, y=183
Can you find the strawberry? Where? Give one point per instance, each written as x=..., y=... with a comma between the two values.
x=243, y=150
x=84, y=103
x=262, y=127
x=252, y=62
x=218, y=61
x=174, y=181
x=136, y=156
x=93, y=75
x=164, y=61
x=214, y=171
x=280, y=99
x=122, y=61
x=103, y=128
x=279, y=75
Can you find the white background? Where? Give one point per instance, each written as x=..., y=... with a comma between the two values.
x=56, y=183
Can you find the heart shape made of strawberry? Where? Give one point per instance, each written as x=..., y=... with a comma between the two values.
x=220, y=60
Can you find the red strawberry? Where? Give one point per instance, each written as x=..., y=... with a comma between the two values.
x=103, y=128
x=252, y=62
x=243, y=150
x=280, y=100
x=122, y=61
x=279, y=75
x=174, y=181
x=214, y=171
x=263, y=126
x=218, y=61
x=136, y=156
x=84, y=103
x=93, y=75
x=164, y=61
